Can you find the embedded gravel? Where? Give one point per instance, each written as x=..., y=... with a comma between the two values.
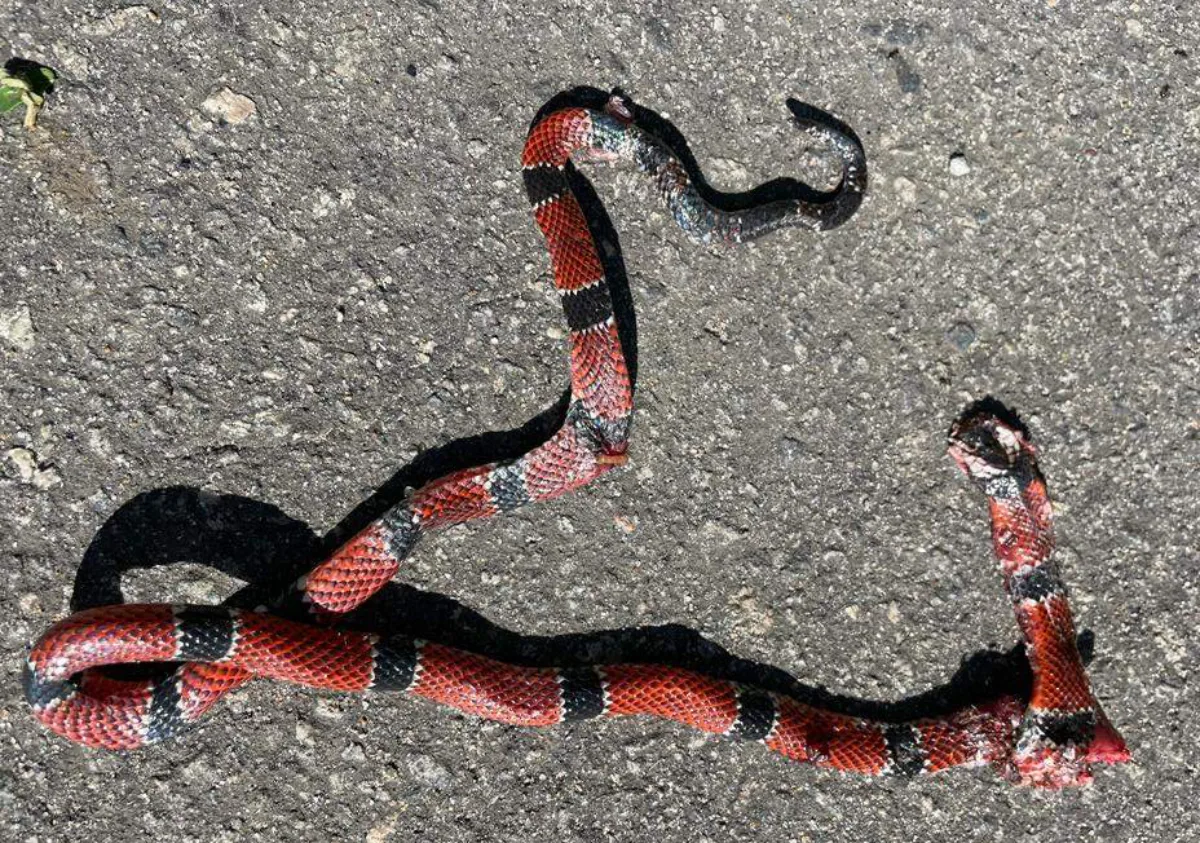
x=259, y=256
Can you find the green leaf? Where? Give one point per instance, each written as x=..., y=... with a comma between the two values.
x=26, y=82
x=10, y=98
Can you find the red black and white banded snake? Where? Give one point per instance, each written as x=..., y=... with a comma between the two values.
x=1051, y=739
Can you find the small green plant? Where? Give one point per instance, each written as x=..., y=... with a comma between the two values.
x=27, y=83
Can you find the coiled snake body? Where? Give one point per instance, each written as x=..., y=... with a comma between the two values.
x=1051, y=739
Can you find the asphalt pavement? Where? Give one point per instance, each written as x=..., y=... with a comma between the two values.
x=265, y=264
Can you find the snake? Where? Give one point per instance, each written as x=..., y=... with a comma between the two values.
x=1051, y=739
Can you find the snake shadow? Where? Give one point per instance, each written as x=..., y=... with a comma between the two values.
x=259, y=544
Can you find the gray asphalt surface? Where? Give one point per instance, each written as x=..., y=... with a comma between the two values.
x=223, y=328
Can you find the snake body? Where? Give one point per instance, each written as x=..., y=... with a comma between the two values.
x=1051, y=740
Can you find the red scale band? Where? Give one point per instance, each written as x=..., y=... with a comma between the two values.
x=108, y=635
x=522, y=696
x=599, y=377
x=201, y=686
x=356, y=570
x=106, y=713
x=700, y=701
x=455, y=499
x=559, y=466
x=320, y=658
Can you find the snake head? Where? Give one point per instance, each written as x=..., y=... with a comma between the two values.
x=988, y=442
x=619, y=107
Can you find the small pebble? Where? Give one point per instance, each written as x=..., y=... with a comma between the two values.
x=16, y=327
x=328, y=709
x=960, y=335
x=906, y=189
x=354, y=754
x=625, y=523
x=429, y=771
x=382, y=830
x=959, y=165
x=230, y=107
x=25, y=461
x=29, y=469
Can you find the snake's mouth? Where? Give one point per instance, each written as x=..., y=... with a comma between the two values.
x=981, y=442
x=985, y=445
